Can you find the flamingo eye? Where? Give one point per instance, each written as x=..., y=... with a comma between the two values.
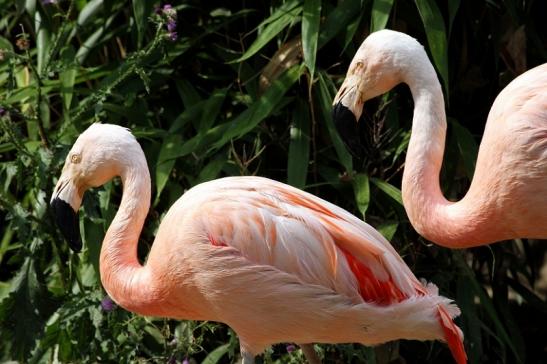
x=75, y=158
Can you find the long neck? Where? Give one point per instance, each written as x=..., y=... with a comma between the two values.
x=447, y=223
x=128, y=282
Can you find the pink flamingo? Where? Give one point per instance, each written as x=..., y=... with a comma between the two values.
x=507, y=198
x=274, y=263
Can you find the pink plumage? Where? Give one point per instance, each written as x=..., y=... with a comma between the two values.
x=275, y=263
x=507, y=198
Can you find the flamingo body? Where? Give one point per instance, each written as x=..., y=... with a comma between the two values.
x=507, y=198
x=275, y=263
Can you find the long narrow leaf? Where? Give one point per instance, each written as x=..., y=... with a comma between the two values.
x=361, y=190
x=221, y=134
x=259, y=110
x=166, y=161
x=342, y=15
x=389, y=189
x=215, y=355
x=278, y=21
x=299, y=147
x=141, y=9
x=380, y=14
x=310, y=32
x=486, y=302
x=436, y=36
x=325, y=102
x=467, y=146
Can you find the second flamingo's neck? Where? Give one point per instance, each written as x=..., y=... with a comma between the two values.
x=454, y=224
x=122, y=275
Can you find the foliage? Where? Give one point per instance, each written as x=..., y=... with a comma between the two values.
x=245, y=89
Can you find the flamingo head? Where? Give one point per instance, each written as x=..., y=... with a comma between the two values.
x=96, y=157
x=381, y=62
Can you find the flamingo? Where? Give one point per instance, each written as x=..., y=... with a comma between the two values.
x=273, y=262
x=507, y=198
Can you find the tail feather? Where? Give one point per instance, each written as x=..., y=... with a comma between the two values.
x=453, y=335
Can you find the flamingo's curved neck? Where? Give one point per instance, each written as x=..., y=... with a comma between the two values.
x=127, y=281
x=432, y=215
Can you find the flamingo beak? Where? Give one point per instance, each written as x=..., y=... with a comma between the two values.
x=65, y=203
x=346, y=112
x=346, y=125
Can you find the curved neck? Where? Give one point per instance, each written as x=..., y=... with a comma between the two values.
x=128, y=282
x=432, y=215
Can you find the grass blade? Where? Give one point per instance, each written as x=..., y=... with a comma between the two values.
x=211, y=109
x=299, y=147
x=467, y=146
x=342, y=15
x=361, y=189
x=259, y=110
x=486, y=303
x=389, y=189
x=436, y=37
x=278, y=21
x=380, y=14
x=166, y=161
x=89, y=12
x=310, y=32
x=388, y=229
x=325, y=101
x=141, y=11
x=453, y=6
x=67, y=77
x=215, y=355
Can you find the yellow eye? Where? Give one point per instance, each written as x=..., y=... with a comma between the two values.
x=75, y=158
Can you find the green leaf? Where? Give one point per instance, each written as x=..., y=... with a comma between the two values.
x=211, y=109
x=325, y=100
x=470, y=318
x=258, y=111
x=67, y=77
x=453, y=6
x=273, y=25
x=23, y=312
x=380, y=14
x=215, y=355
x=5, y=44
x=310, y=32
x=42, y=41
x=91, y=41
x=89, y=12
x=467, y=146
x=361, y=191
x=141, y=11
x=338, y=19
x=486, y=302
x=388, y=229
x=389, y=189
x=436, y=37
x=299, y=146
x=166, y=161
x=187, y=93
x=211, y=170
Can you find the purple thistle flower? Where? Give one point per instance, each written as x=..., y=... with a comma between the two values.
x=107, y=304
x=173, y=36
x=49, y=2
x=290, y=348
x=186, y=361
x=171, y=26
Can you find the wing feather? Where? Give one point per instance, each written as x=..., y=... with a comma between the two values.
x=272, y=223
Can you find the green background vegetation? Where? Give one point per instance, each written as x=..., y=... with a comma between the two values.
x=246, y=89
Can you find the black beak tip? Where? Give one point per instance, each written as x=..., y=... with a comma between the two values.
x=346, y=125
x=67, y=220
